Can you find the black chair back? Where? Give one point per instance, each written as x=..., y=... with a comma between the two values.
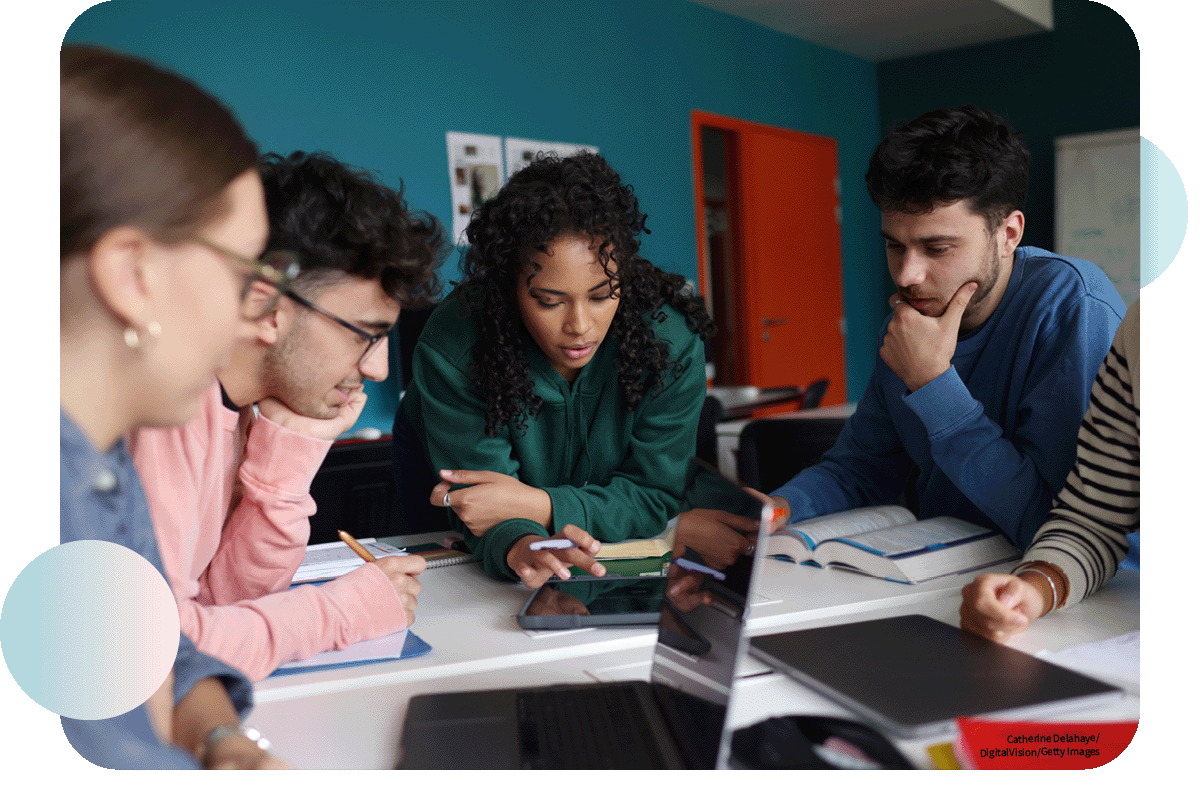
x=814, y=393
x=414, y=480
x=354, y=492
x=706, y=431
x=408, y=330
x=772, y=450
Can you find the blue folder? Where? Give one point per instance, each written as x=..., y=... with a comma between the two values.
x=413, y=646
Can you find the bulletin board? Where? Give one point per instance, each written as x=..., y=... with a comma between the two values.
x=1098, y=204
x=478, y=169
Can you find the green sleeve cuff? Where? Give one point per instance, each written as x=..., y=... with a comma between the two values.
x=498, y=541
x=565, y=509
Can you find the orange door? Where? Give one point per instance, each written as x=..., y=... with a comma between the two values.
x=791, y=259
x=785, y=226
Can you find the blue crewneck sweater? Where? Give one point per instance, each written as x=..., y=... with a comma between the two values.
x=993, y=437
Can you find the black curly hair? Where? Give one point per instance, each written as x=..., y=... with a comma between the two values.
x=947, y=155
x=340, y=221
x=580, y=195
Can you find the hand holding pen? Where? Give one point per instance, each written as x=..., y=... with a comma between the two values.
x=536, y=559
x=401, y=572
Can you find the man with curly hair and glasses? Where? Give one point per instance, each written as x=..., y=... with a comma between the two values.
x=229, y=492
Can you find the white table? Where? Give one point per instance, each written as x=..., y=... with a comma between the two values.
x=352, y=717
x=1112, y=611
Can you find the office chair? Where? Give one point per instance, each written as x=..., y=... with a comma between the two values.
x=706, y=431
x=408, y=330
x=814, y=393
x=773, y=449
x=354, y=492
x=413, y=481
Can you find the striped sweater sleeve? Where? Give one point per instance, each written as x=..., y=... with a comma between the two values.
x=1086, y=534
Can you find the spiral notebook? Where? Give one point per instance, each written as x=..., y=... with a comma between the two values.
x=323, y=562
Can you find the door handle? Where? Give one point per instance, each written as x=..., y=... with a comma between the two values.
x=768, y=322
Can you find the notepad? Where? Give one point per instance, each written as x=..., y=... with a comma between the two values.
x=404, y=644
x=323, y=562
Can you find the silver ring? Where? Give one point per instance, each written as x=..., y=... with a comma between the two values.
x=446, y=499
x=897, y=302
x=750, y=549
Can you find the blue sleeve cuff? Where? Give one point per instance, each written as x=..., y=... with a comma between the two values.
x=798, y=500
x=943, y=404
x=192, y=666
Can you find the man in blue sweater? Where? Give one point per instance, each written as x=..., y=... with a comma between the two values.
x=987, y=359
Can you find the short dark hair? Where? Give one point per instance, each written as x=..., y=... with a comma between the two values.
x=339, y=221
x=947, y=155
x=140, y=146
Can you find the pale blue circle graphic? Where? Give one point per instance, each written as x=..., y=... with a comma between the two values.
x=89, y=629
x=1164, y=211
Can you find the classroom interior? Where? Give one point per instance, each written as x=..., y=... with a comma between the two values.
x=379, y=84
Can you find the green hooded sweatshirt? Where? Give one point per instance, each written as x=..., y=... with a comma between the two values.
x=616, y=474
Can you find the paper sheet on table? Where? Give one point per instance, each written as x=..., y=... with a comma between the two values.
x=1118, y=658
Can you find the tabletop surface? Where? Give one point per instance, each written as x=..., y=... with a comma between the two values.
x=352, y=717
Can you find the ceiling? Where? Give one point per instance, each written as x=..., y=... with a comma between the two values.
x=879, y=30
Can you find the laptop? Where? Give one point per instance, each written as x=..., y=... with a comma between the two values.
x=912, y=675
x=677, y=720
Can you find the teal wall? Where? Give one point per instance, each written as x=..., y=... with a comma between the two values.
x=379, y=83
x=1083, y=76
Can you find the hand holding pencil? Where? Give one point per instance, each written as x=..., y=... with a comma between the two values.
x=402, y=571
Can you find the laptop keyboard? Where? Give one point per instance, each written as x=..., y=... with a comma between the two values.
x=601, y=727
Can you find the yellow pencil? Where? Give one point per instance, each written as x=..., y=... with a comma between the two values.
x=356, y=547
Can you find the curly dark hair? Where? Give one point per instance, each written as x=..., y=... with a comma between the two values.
x=947, y=155
x=340, y=221
x=583, y=196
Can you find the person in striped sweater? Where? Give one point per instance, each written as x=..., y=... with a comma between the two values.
x=1090, y=526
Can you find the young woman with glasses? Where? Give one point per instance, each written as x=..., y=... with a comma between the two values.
x=162, y=222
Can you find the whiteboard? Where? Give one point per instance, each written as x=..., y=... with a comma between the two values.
x=1097, y=205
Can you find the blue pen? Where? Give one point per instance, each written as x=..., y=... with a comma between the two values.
x=552, y=544
x=687, y=563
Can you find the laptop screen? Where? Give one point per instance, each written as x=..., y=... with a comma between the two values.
x=700, y=627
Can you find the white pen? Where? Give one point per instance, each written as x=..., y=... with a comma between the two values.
x=687, y=563
x=552, y=544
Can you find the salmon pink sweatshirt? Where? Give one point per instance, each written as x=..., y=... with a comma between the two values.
x=230, y=560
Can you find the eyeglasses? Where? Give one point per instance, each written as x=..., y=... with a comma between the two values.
x=372, y=339
x=276, y=269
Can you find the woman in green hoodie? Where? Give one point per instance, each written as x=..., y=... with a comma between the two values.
x=557, y=389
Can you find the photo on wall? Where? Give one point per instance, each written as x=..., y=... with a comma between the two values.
x=519, y=153
x=476, y=164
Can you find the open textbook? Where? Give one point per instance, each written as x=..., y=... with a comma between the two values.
x=889, y=542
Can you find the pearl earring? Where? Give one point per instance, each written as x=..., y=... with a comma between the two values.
x=133, y=340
